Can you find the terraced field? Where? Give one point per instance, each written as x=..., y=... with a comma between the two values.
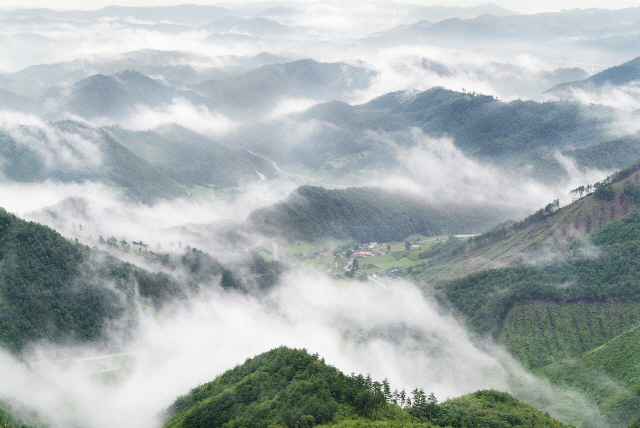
x=541, y=333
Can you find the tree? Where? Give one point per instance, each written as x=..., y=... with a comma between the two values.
x=432, y=404
x=407, y=245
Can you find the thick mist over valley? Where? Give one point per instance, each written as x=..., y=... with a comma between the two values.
x=444, y=197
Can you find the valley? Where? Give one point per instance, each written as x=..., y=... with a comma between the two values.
x=326, y=213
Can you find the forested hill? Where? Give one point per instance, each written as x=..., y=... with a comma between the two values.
x=101, y=159
x=513, y=134
x=291, y=388
x=366, y=214
x=55, y=290
x=548, y=228
x=573, y=317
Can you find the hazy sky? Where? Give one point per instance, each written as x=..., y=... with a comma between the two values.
x=523, y=7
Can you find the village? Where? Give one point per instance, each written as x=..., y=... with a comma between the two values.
x=362, y=261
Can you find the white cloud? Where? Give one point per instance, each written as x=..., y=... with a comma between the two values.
x=196, y=118
x=389, y=330
x=57, y=148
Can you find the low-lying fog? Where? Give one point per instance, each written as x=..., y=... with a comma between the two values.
x=390, y=330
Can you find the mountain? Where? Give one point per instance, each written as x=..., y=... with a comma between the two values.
x=340, y=139
x=588, y=33
x=365, y=214
x=543, y=258
x=56, y=290
x=259, y=27
x=619, y=75
x=192, y=159
x=257, y=90
x=608, y=375
x=558, y=290
x=35, y=155
x=291, y=388
x=12, y=101
x=116, y=96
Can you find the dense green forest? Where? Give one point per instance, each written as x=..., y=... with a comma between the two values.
x=291, y=388
x=56, y=290
x=572, y=315
x=365, y=214
x=606, y=272
x=608, y=374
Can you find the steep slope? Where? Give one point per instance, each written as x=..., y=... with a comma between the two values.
x=290, y=388
x=609, y=374
x=538, y=306
x=191, y=159
x=47, y=292
x=59, y=291
x=70, y=151
x=365, y=214
x=546, y=231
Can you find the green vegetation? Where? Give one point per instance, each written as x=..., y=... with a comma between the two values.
x=609, y=375
x=8, y=418
x=55, y=290
x=119, y=167
x=492, y=409
x=513, y=134
x=561, y=303
x=364, y=214
x=191, y=159
x=542, y=332
x=46, y=293
x=290, y=388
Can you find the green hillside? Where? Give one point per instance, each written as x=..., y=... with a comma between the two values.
x=55, y=290
x=543, y=233
x=540, y=289
x=542, y=332
x=191, y=159
x=579, y=273
x=365, y=214
x=609, y=374
x=119, y=167
x=291, y=388
x=512, y=134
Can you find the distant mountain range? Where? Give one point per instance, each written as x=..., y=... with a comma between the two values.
x=618, y=76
